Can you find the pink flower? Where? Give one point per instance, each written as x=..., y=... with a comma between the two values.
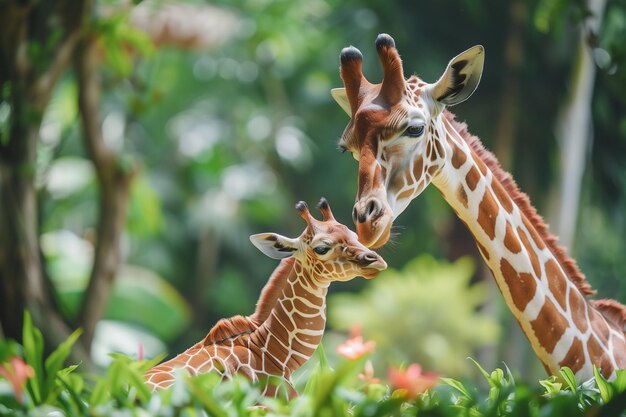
x=412, y=380
x=367, y=375
x=355, y=347
x=140, y=353
x=16, y=371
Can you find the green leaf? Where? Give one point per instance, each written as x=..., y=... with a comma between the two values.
x=54, y=362
x=606, y=391
x=209, y=403
x=33, y=354
x=552, y=386
x=620, y=380
x=8, y=349
x=482, y=370
x=570, y=379
x=458, y=385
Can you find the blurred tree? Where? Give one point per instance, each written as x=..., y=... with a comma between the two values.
x=37, y=42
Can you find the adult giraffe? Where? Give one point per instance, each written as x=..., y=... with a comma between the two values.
x=404, y=139
x=289, y=320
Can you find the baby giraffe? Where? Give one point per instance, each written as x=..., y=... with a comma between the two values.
x=290, y=316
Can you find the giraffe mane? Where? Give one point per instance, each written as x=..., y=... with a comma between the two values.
x=523, y=202
x=272, y=290
x=613, y=311
x=240, y=325
x=229, y=328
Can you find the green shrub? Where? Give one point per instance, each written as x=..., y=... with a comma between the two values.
x=426, y=312
x=53, y=390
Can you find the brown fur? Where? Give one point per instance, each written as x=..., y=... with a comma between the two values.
x=523, y=202
x=612, y=310
x=240, y=325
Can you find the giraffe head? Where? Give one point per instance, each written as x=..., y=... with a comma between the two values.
x=327, y=249
x=395, y=131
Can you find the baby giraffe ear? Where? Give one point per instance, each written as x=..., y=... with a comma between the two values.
x=340, y=96
x=461, y=77
x=274, y=245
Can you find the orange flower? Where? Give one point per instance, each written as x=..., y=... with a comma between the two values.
x=355, y=347
x=412, y=380
x=16, y=371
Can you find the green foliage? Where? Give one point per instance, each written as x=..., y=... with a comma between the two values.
x=46, y=384
x=337, y=392
x=425, y=313
x=157, y=306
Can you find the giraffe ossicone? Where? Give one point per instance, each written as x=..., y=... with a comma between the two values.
x=404, y=139
x=290, y=316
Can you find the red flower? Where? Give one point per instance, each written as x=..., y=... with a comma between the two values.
x=16, y=371
x=412, y=380
x=355, y=347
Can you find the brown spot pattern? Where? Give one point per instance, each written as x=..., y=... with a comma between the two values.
x=482, y=250
x=533, y=233
x=557, y=283
x=511, y=242
x=458, y=157
x=479, y=162
x=599, y=324
x=472, y=178
x=522, y=286
x=575, y=357
x=488, y=213
x=418, y=168
x=502, y=196
x=439, y=148
x=534, y=260
x=549, y=325
x=578, y=307
x=462, y=195
x=599, y=357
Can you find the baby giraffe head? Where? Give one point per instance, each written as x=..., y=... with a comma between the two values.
x=327, y=249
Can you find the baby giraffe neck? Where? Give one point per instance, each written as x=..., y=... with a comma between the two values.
x=542, y=287
x=295, y=326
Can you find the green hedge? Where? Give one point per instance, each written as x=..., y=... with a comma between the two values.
x=48, y=388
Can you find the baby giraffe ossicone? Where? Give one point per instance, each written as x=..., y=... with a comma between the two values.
x=290, y=316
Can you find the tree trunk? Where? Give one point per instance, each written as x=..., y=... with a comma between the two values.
x=114, y=180
x=20, y=265
x=574, y=128
x=26, y=87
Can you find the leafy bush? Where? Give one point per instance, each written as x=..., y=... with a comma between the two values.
x=34, y=387
x=429, y=298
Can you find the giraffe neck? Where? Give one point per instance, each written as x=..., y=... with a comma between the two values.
x=295, y=326
x=278, y=338
x=542, y=287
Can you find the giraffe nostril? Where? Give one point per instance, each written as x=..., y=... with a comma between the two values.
x=368, y=258
x=371, y=210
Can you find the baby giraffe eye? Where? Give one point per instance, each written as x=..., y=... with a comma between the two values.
x=321, y=250
x=414, y=131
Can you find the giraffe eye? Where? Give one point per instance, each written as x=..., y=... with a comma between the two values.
x=414, y=131
x=321, y=250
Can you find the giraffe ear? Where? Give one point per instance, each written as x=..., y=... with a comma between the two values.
x=274, y=245
x=340, y=96
x=461, y=77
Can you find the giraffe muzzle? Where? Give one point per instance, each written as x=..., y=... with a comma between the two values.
x=371, y=263
x=373, y=220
